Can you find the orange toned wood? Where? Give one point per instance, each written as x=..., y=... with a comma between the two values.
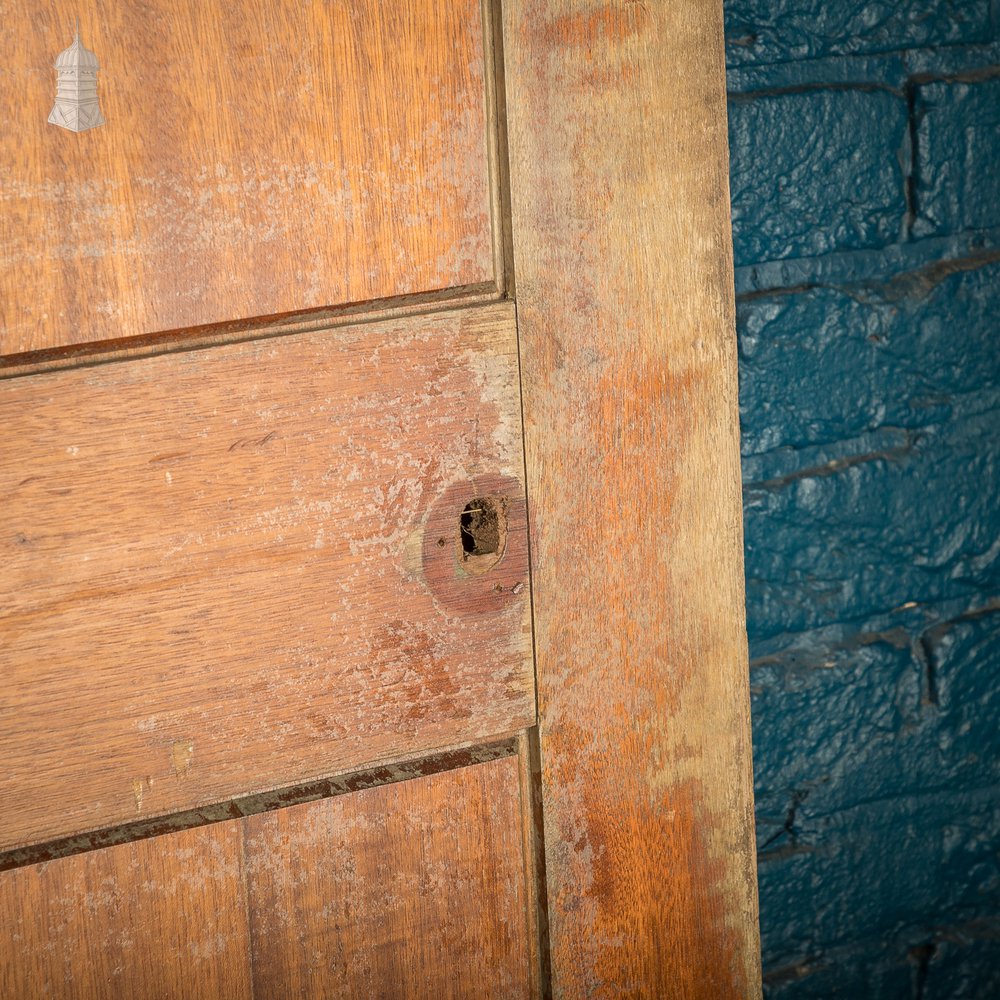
x=408, y=890
x=257, y=159
x=162, y=918
x=617, y=126
x=415, y=889
x=231, y=570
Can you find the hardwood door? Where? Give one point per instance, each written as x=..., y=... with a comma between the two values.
x=371, y=603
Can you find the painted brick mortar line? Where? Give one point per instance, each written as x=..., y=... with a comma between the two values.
x=890, y=71
x=920, y=272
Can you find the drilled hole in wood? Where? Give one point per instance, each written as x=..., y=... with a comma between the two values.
x=482, y=533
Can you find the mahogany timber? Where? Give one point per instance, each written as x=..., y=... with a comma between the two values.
x=257, y=159
x=622, y=252
x=413, y=889
x=161, y=918
x=409, y=890
x=231, y=570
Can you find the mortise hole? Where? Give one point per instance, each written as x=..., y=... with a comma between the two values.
x=482, y=533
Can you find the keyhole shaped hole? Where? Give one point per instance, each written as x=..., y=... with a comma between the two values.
x=482, y=533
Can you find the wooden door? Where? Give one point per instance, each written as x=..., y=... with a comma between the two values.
x=371, y=592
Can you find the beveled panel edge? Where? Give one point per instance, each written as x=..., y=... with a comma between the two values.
x=385, y=772
x=497, y=158
x=242, y=331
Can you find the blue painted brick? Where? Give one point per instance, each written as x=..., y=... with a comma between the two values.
x=829, y=364
x=872, y=524
x=872, y=462
x=837, y=733
x=766, y=31
x=965, y=659
x=957, y=156
x=901, y=867
x=864, y=970
x=886, y=712
x=946, y=963
x=816, y=172
x=965, y=965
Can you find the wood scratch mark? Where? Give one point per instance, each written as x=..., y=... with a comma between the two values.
x=251, y=442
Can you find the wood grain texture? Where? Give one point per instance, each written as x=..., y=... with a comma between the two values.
x=257, y=159
x=162, y=919
x=231, y=570
x=617, y=128
x=410, y=890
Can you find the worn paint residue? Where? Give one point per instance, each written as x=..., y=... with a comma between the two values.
x=180, y=754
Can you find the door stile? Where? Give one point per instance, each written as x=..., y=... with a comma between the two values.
x=625, y=310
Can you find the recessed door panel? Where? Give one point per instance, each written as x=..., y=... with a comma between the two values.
x=231, y=570
x=252, y=159
x=415, y=889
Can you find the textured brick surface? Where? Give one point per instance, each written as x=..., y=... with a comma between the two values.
x=784, y=30
x=866, y=206
x=816, y=171
x=965, y=965
x=883, y=520
x=958, y=156
x=890, y=864
x=908, y=710
x=832, y=363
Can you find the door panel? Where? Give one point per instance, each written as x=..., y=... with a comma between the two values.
x=256, y=159
x=161, y=918
x=413, y=889
x=236, y=569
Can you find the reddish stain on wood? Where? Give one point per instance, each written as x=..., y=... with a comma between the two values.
x=457, y=590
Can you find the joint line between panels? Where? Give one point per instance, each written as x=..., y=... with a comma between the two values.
x=446, y=759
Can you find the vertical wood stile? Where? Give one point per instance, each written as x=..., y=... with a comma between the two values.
x=623, y=257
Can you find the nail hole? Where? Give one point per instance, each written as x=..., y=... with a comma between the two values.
x=482, y=533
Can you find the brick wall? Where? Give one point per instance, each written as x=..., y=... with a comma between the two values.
x=865, y=172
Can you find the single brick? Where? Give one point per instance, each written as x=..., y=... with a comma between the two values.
x=829, y=364
x=862, y=970
x=816, y=171
x=965, y=663
x=958, y=148
x=910, y=516
x=764, y=31
x=882, y=871
x=878, y=714
x=947, y=963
